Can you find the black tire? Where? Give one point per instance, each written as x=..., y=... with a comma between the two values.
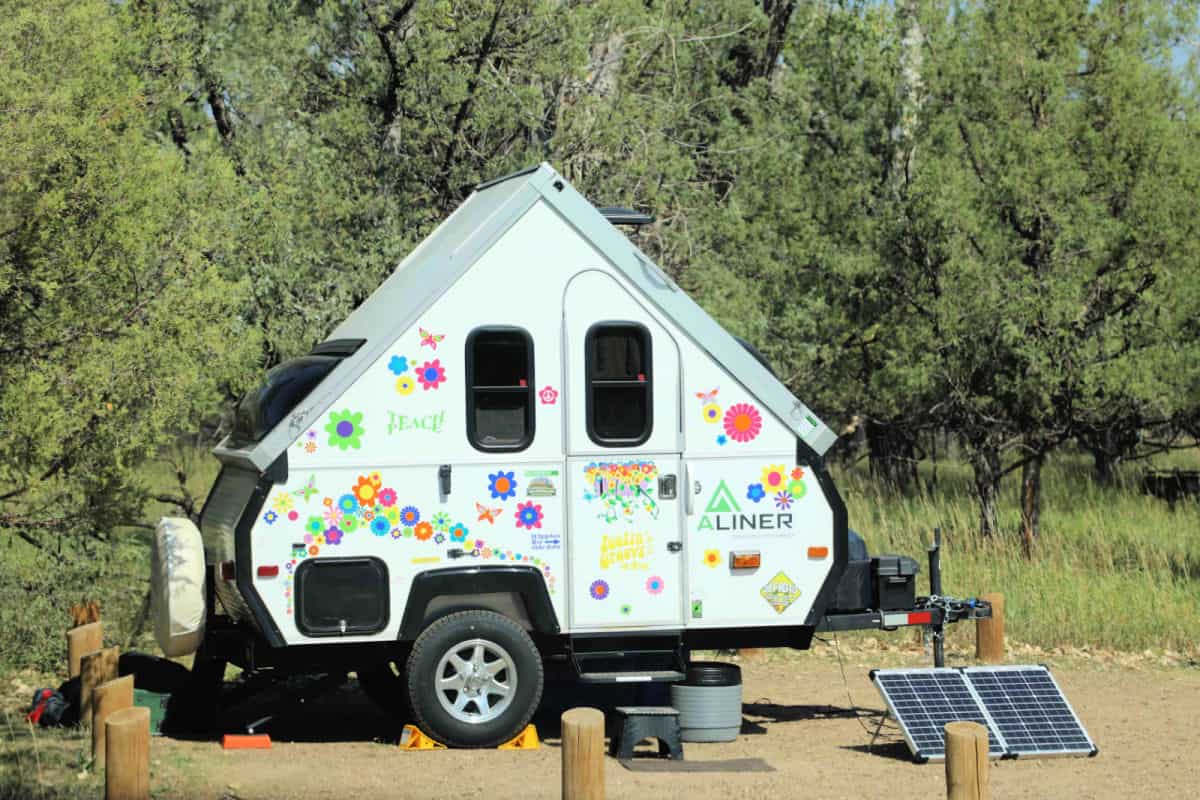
x=385, y=684
x=455, y=631
x=713, y=673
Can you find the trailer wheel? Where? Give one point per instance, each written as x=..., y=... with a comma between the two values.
x=474, y=679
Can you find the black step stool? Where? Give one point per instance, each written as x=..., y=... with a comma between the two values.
x=635, y=723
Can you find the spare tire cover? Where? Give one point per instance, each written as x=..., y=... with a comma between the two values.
x=177, y=586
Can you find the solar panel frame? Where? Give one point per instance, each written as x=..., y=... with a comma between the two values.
x=1029, y=710
x=922, y=713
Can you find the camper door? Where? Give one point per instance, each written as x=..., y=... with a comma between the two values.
x=625, y=540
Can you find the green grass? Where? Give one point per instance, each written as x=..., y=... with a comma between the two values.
x=1113, y=568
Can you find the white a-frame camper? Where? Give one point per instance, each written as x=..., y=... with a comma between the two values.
x=528, y=445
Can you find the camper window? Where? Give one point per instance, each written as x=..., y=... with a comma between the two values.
x=499, y=389
x=618, y=384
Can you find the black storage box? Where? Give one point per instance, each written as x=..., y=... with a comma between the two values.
x=895, y=580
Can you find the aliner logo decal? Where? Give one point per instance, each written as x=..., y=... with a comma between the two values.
x=780, y=592
x=726, y=515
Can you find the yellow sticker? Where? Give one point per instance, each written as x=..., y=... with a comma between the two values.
x=780, y=592
x=427, y=560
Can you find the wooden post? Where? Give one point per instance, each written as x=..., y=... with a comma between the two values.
x=989, y=633
x=127, y=755
x=95, y=668
x=583, y=754
x=83, y=639
x=107, y=698
x=967, y=776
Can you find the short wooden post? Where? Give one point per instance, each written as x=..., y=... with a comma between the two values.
x=107, y=698
x=967, y=776
x=95, y=668
x=83, y=639
x=127, y=755
x=583, y=754
x=989, y=633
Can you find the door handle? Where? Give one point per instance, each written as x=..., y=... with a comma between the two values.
x=444, y=480
x=674, y=547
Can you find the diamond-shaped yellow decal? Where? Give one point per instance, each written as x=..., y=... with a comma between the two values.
x=780, y=592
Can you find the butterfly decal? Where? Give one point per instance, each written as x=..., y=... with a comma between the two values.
x=309, y=489
x=708, y=397
x=486, y=513
x=431, y=339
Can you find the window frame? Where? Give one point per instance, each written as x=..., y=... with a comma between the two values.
x=589, y=382
x=471, y=390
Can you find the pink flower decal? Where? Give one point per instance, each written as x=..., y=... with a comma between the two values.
x=549, y=396
x=654, y=584
x=529, y=516
x=742, y=422
x=431, y=374
x=387, y=498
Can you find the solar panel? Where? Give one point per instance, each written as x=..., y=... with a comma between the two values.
x=922, y=701
x=1022, y=707
x=1029, y=711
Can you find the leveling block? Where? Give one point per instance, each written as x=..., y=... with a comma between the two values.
x=233, y=741
x=411, y=738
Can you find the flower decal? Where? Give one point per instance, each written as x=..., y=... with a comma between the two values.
x=345, y=429
x=423, y=531
x=348, y=503
x=283, y=503
x=349, y=523
x=441, y=522
x=783, y=501
x=270, y=517
x=397, y=533
x=392, y=514
x=409, y=516
x=599, y=589
x=439, y=538
x=380, y=526
x=431, y=374
x=405, y=385
x=742, y=422
x=333, y=536
x=797, y=473
x=458, y=532
x=529, y=516
x=774, y=477
x=502, y=485
x=332, y=516
x=712, y=558
x=366, y=490
x=796, y=488
x=654, y=584
x=711, y=412
x=755, y=492
x=314, y=525
x=387, y=498
x=293, y=515
x=626, y=609
x=398, y=365
x=722, y=439
x=548, y=395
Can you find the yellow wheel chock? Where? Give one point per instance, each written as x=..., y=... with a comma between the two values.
x=411, y=738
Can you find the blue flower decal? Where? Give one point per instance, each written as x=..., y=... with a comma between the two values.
x=458, y=533
x=398, y=365
x=503, y=485
x=348, y=503
x=270, y=517
x=380, y=526
x=755, y=492
x=722, y=439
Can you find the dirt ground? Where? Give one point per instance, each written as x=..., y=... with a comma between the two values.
x=798, y=719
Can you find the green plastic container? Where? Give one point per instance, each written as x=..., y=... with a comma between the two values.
x=157, y=703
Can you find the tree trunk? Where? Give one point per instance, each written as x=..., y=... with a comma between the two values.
x=909, y=91
x=1031, y=503
x=985, y=461
x=892, y=456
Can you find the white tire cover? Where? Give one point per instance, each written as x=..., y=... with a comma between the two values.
x=177, y=586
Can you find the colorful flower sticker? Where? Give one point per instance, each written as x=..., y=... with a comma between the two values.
x=314, y=525
x=333, y=536
x=441, y=522
x=742, y=422
x=348, y=503
x=310, y=486
x=405, y=385
x=392, y=514
x=796, y=488
x=626, y=609
x=423, y=531
x=529, y=516
x=797, y=473
x=313, y=550
x=755, y=492
x=654, y=584
x=431, y=374
x=409, y=516
x=398, y=365
x=439, y=538
x=458, y=532
x=722, y=439
x=283, y=503
x=387, y=497
x=502, y=485
x=345, y=429
x=332, y=516
x=711, y=412
x=397, y=533
x=712, y=558
x=548, y=396
x=293, y=515
x=366, y=490
x=270, y=517
x=599, y=589
x=783, y=501
x=380, y=526
x=349, y=523
x=774, y=477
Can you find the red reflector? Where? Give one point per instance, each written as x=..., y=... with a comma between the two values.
x=818, y=552
x=920, y=618
x=268, y=572
x=227, y=572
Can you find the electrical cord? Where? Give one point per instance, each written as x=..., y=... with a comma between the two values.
x=837, y=648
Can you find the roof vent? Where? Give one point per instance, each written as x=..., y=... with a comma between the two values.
x=619, y=215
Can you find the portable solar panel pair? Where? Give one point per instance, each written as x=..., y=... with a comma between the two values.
x=1022, y=707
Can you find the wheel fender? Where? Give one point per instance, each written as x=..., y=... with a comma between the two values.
x=464, y=582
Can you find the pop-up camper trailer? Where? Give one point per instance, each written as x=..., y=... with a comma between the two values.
x=528, y=444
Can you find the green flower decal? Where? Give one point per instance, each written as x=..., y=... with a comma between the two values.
x=441, y=522
x=345, y=429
